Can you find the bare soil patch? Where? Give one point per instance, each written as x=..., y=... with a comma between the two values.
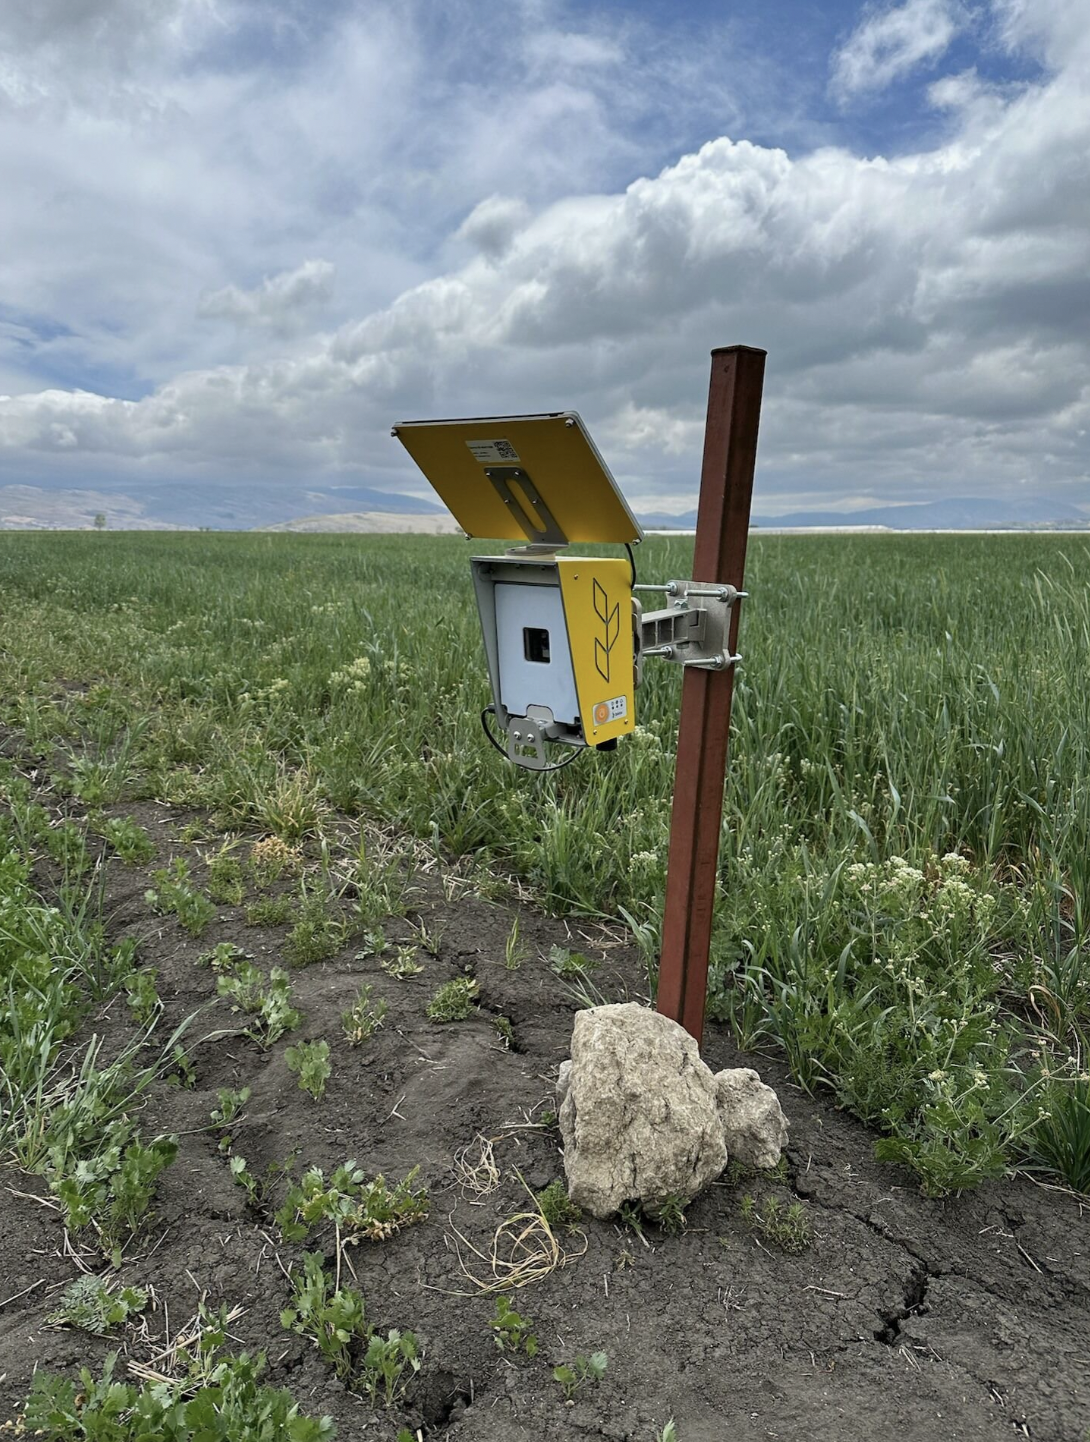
x=905, y=1318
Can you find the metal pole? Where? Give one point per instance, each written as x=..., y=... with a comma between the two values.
x=722, y=530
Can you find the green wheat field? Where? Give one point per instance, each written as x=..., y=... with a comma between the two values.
x=905, y=867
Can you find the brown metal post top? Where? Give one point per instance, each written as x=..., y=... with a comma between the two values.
x=722, y=532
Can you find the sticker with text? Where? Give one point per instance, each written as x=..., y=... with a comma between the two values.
x=487, y=452
x=615, y=710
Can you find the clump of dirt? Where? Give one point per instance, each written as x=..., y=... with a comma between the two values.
x=904, y=1318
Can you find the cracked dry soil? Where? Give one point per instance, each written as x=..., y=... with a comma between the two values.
x=924, y=1321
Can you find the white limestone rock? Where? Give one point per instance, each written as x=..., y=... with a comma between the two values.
x=754, y=1126
x=643, y=1118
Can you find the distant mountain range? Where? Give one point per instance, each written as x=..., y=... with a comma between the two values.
x=191, y=505
x=286, y=507
x=235, y=507
x=375, y=523
x=958, y=513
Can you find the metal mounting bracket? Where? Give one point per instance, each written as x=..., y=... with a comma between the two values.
x=526, y=737
x=519, y=494
x=686, y=634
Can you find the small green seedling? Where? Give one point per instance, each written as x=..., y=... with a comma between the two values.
x=385, y=1364
x=243, y=1177
x=270, y=1005
x=333, y=1317
x=223, y=957
x=111, y=1192
x=402, y=964
x=269, y=911
x=456, y=1001
x=557, y=1207
x=514, y=949
x=574, y=1375
x=230, y=1105
x=316, y=936
x=95, y=1306
x=357, y=1208
x=174, y=893
x=511, y=1330
x=67, y=845
x=570, y=965
x=505, y=1030
x=364, y=1017
x=309, y=1061
x=630, y=1215
x=669, y=1213
x=225, y=1399
x=142, y=997
x=129, y=839
x=258, y=1189
x=785, y=1227
x=668, y=1433
x=94, y=782
x=428, y=939
x=225, y=881
x=374, y=943
x=182, y=1072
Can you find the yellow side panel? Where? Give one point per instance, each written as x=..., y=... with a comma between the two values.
x=598, y=611
x=556, y=452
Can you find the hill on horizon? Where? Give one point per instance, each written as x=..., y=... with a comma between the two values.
x=286, y=507
x=951, y=514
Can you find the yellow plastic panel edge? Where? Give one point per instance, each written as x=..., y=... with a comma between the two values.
x=557, y=453
x=597, y=597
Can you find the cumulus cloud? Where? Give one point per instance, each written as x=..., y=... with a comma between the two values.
x=57, y=51
x=281, y=303
x=923, y=314
x=491, y=226
x=889, y=43
x=1055, y=31
x=165, y=152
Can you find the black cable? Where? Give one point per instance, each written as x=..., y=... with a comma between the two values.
x=561, y=764
x=541, y=770
x=488, y=733
x=632, y=563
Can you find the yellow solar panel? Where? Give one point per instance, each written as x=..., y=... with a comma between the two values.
x=522, y=478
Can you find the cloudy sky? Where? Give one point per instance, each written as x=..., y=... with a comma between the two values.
x=239, y=238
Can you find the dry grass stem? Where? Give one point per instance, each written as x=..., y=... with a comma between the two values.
x=169, y=1366
x=475, y=1168
x=524, y=1249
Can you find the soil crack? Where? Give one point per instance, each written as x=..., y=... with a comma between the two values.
x=913, y=1300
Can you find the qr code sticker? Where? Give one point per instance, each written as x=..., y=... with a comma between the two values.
x=487, y=452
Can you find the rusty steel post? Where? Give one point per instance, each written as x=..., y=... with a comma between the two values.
x=722, y=530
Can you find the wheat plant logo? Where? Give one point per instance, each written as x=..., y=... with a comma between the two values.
x=611, y=629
